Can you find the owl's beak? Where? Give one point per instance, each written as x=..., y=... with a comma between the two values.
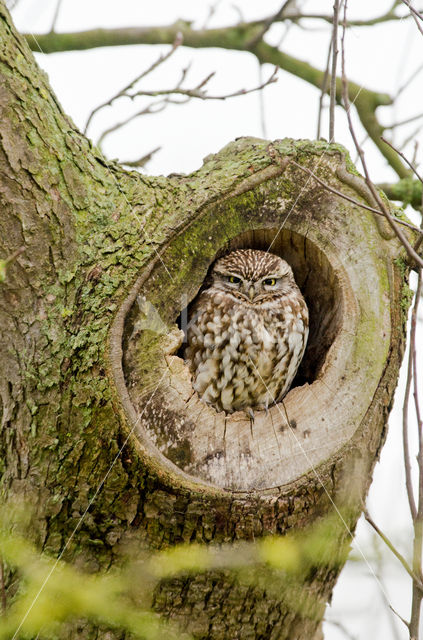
x=251, y=292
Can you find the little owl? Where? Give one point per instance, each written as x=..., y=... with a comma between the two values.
x=247, y=332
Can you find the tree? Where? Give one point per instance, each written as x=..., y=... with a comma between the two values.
x=69, y=406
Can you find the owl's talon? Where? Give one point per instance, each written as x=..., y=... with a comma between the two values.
x=251, y=414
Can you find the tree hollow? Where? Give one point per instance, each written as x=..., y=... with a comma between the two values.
x=341, y=265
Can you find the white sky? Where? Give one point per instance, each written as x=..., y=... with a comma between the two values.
x=381, y=58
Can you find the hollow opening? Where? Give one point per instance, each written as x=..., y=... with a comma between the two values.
x=215, y=446
x=317, y=281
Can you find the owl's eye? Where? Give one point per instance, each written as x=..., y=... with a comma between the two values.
x=270, y=282
x=234, y=279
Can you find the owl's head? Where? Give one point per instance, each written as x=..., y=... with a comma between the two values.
x=253, y=275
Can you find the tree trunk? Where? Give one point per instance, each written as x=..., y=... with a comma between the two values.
x=94, y=393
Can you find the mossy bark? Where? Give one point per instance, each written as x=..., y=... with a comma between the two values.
x=89, y=228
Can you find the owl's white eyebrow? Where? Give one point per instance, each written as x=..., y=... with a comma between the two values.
x=229, y=273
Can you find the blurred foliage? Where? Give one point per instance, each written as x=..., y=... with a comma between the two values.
x=45, y=592
x=3, y=270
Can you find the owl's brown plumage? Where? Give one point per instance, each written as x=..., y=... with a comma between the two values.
x=247, y=332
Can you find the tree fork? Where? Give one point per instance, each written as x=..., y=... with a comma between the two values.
x=95, y=395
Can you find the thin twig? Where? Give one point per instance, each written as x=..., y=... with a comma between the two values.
x=353, y=200
x=383, y=593
x=413, y=169
x=324, y=90
x=284, y=35
x=411, y=137
x=397, y=554
x=415, y=14
x=405, y=438
x=416, y=388
x=402, y=122
x=416, y=512
x=197, y=91
x=363, y=142
x=417, y=594
x=212, y=11
x=398, y=616
x=418, y=24
x=55, y=17
x=262, y=106
x=124, y=91
x=239, y=13
x=333, y=75
x=296, y=16
x=187, y=94
x=419, y=177
x=408, y=81
x=341, y=628
x=141, y=162
x=152, y=108
x=412, y=254
x=267, y=23
x=413, y=10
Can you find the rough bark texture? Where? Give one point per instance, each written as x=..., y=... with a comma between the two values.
x=89, y=230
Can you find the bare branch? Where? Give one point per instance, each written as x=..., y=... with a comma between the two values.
x=333, y=76
x=416, y=16
x=417, y=594
x=414, y=11
x=197, y=92
x=296, y=16
x=342, y=629
x=378, y=571
x=416, y=389
x=324, y=90
x=262, y=109
x=419, y=27
x=267, y=23
x=405, y=440
x=402, y=122
x=55, y=17
x=363, y=141
x=416, y=512
x=404, y=158
x=403, y=620
x=124, y=91
x=141, y=162
x=365, y=101
x=212, y=11
x=416, y=579
x=409, y=80
x=353, y=200
x=412, y=254
x=152, y=108
x=411, y=136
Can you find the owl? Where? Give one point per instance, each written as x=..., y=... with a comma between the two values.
x=247, y=332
